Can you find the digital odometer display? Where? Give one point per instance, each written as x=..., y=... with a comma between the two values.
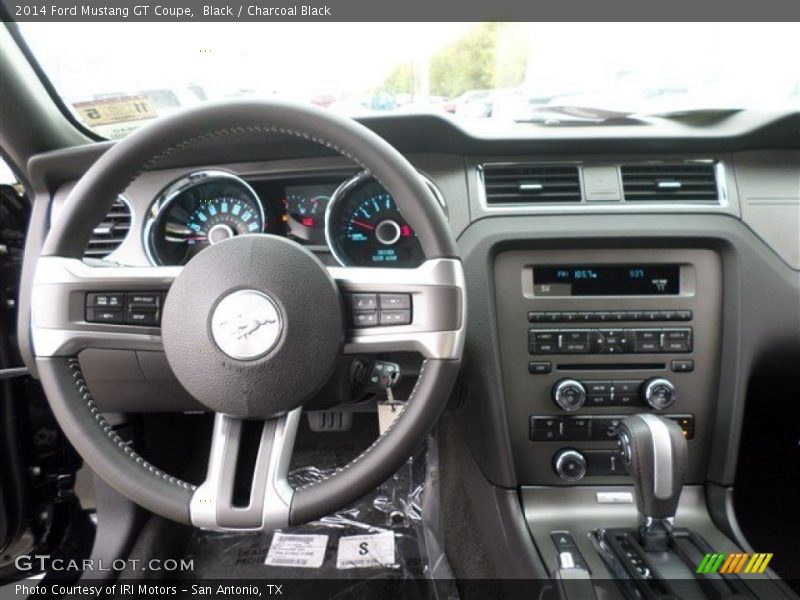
x=606, y=280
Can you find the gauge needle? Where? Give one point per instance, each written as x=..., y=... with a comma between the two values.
x=360, y=224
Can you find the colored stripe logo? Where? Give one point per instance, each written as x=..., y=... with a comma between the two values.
x=740, y=562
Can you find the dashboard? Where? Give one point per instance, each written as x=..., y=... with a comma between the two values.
x=593, y=270
x=353, y=216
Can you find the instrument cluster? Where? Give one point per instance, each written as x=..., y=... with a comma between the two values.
x=356, y=219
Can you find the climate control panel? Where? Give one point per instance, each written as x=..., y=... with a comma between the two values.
x=657, y=393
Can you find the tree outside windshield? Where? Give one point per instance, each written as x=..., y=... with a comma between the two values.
x=116, y=77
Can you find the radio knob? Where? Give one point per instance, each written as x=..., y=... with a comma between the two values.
x=570, y=465
x=569, y=394
x=658, y=393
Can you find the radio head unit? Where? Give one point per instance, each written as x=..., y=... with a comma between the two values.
x=606, y=280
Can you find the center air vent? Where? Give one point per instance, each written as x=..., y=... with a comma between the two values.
x=111, y=232
x=531, y=183
x=680, y=182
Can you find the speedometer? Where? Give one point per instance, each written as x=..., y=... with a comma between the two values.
x=198, y=210
x=365, y=228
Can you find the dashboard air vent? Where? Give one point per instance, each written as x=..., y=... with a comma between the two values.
x=111, y=232
x=531, y=183
x=679, y=182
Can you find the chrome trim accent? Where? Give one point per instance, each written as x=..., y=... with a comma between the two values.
x=59, y=287
x=177, y=187
x=429, y=284
x=246, y=324
x=662, y=456
x=560, y=387
x=353, y=182
x=584, y=206
x=559, y=463
x=210, y=507
x=648, y=392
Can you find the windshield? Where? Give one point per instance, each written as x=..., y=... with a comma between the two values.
x=116, y=77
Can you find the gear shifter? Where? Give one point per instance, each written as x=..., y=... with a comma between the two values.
x=655, y=451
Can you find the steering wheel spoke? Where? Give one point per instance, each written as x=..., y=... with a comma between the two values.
x=428, y=305
x=62, y=318
x=263, y=501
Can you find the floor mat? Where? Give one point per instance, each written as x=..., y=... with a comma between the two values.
x=381, y=547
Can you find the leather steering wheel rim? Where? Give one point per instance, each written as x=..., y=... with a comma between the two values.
x=59, y=370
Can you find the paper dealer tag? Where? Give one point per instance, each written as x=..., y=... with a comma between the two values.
x=359, y=551
x=387, y=414
x=297, y=550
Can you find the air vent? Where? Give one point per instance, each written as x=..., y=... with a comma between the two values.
x=111, y=232
x=680, y=182
x=531, y=183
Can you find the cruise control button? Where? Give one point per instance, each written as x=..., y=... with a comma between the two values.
x=105, y=299
x=395, y=317
x=104, y=315
x=395, y=301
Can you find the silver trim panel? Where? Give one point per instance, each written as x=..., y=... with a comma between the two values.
x=662, y=455
x=58, y=326
x=271, y=495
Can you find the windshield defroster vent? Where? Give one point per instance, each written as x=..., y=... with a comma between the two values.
x=679, y=182
x=108, y=235
x=531, y=183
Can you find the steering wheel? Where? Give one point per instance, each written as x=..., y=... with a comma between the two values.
x=267, y=374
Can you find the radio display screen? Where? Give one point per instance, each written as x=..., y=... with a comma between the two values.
x=606, y=280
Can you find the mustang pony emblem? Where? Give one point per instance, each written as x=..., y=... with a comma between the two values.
x=242, y=327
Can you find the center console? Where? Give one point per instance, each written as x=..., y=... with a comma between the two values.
x=590, y=336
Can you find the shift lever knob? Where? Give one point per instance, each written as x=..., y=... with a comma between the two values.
x=656, y=453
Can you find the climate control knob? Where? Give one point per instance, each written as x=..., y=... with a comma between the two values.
x=658, y=393
x=569, y=394
x=570, y=465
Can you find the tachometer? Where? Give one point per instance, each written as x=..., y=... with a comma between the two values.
x=203, y=208
x=365, y=228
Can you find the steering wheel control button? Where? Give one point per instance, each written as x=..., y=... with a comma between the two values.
x=104, y=315
x=144, y=300
x=569, y=394
x=365, y=319
x=106, y=300
x=134, y=308
x=369, y=310
x=363, y=301
x=396, y=301
x=246, y=324
x=395, y=317
x=659, y=393
x=253, y=326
